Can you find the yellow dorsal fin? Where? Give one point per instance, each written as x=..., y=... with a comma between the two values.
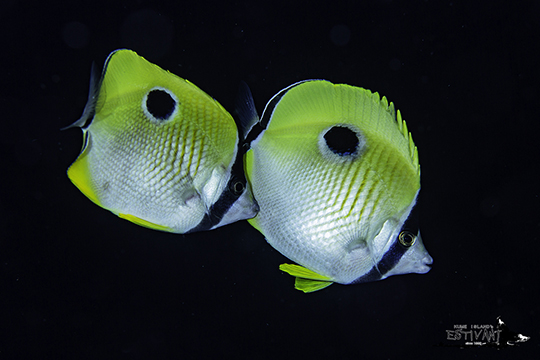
x=306, y=280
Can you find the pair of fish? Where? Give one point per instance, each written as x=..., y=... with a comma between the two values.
x=329, y=174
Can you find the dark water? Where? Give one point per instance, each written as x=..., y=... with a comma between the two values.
x=79, y=283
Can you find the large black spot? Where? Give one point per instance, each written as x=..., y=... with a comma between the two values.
x=160, y=104
x=341, y=140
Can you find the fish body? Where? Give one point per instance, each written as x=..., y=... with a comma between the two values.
x=158, y=151
x=336, y=175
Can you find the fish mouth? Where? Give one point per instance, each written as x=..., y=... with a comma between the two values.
x=426, y=263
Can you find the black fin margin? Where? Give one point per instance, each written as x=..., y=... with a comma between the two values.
x=262, y=124
x=90, y=107
x=96, y=79
x=245, y=110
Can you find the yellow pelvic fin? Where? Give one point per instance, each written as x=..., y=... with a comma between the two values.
x=306, y=280
x=307, y=285
x=145, y=223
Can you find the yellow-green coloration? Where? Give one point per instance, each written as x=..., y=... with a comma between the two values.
x=306, y=280
x=333, y=214
x=144, y=223
x=162, y=173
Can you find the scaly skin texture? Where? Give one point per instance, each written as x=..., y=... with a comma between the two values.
x=160, y=173
x=318, y=208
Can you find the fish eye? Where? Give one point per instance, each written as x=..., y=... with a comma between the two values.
x=237, y=187
x=159, y=104
x=341, y=140
x=407, y=238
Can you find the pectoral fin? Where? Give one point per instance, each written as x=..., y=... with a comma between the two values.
x=306, y=280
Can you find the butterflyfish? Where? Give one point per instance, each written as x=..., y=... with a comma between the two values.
x=336, y=175
x=158, y=151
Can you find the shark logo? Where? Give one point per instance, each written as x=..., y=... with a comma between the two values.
x=507, y=337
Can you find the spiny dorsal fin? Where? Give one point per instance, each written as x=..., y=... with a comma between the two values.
x=402, y=126
x=90, y=108
x=245, y=110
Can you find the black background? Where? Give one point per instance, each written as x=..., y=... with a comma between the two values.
x=79, y=283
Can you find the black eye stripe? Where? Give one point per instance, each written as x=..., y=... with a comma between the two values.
x=237, y=187
x=227, y=198
x=396, y=251
x=387, y=263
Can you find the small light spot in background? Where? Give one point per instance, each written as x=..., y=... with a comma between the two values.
x=340, y=35
x=75, y=34
x=238, y=32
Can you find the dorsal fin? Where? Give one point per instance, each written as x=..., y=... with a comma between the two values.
x=245, y=110
x=90, y=108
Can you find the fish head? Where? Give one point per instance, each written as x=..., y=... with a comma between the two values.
x=398, y=247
